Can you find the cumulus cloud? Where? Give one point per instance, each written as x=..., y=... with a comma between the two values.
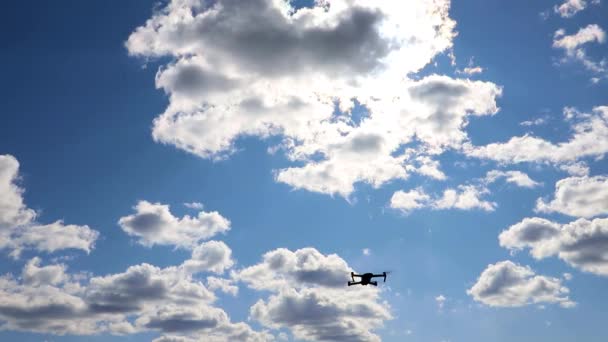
x=154, y=224
x=309, y=297
x=210, y=256
x=588, y=129
x=507, y=284
x=18, y=227
x=168, y=300
x=515, y=177
x=282, y=268
x=582, y=244
x=579, y=197
x=466, y=197
x=281, y=71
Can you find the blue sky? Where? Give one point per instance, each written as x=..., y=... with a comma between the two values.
x=470, y=166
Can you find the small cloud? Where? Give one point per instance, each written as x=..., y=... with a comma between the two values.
x=440, y=301
x=194, y=205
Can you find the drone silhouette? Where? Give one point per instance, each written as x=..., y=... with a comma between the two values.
x=366, y=278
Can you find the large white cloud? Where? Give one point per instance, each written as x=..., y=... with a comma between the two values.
x=582, y=243
x=153, y=224
x=506, y=284
x=311, y=299
x=18, y=227
x=277, y=70
x=578, y=196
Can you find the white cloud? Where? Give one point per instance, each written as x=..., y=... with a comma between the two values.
x=579, y=197
x=194, y=205
x=210, y=256
x=153, y=224
x=464, y=197
x=18, y=228
x=570, y=7
x=407, y=201
x=506, y=284
x=515, y=177
x=582, y=244
x=588, y=129
x=471, y=69
x=280, y=71
x=309, y=297
x=573, y=46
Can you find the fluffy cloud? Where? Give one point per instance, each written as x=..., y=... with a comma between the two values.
x=315, y=315
x=18, y=228
x=13, y=212
x=277, y=70
x=506, y=284
x=309, y=297
x=579, y=197
x=464, y=197
x=582, y=243
x=154, y=224
x=211, y=256
x=407, y=201
x=515, y=177
x=588, y=128
x=282, y=268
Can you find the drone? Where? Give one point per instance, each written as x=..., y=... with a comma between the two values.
x=366, y=278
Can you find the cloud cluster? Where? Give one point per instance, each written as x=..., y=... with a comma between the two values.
x=153, y=224
x=582, y=244
x=506, y=284
x=265, y=69
x=143, y=298
x=19, y=229
x=309, y=298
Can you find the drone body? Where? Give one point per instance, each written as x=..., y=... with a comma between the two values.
x=366, y=278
